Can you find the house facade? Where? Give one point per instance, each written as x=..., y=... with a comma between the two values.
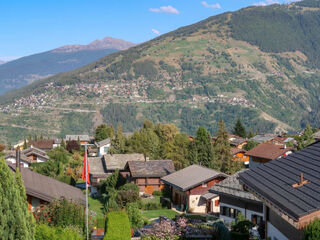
x=190, y=187
x=103, y=147
x=147, y=174
x=35, y=154
x=266, y=152
x=234, y=200
x=239, y=155
x=289, y=190
x=84, y=139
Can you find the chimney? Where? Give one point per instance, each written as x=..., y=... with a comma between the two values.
x=301, y=183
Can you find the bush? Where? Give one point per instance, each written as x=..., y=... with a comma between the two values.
x=135, y=216
x=312, y=231
x=221, y=231
x=117, y=226
x=152, y=206
x=67, y=179
x=44, y=232
x=157, y=193
x=130, y=186
x=127, y=196
x=73, y=145
x=239, y=236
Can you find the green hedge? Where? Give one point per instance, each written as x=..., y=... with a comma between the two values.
x=44, y=232
x=117, y=226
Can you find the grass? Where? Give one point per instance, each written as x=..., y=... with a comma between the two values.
x=97, y=206
x=149, y=214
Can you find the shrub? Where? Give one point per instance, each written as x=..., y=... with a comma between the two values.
x=44, y=232
x=130, y=186
x=312, y=231
x=127, y=196
x=117, y=226
x=67, y=179
x=135, y=216
x=157, y=193
x=152, y=206
x=221, y=231
x=73, y=145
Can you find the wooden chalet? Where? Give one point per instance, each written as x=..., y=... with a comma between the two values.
x=266, y=152
x=190, y=189
x=147, y=174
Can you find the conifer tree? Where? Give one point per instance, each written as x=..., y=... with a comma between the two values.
x=63, y=143
x=118, y=142
x=223, y=152
x=201, y=150
x=239, y=129
x=25, y=145
x=306, y=139
x=15, y=220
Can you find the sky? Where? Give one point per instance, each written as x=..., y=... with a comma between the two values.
x=32, y=26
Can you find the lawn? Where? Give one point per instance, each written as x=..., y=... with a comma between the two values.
x=149, y=214
x=97, y=206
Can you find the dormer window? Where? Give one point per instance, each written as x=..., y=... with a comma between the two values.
x=204, y=184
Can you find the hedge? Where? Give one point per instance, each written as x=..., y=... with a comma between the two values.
x=117, y=226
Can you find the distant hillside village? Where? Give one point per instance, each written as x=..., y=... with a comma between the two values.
x=158, y=181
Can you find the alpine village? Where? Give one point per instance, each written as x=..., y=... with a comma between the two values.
x=210, y=131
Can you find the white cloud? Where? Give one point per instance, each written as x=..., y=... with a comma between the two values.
x=155, y=31
x=9, y=58
x=165, y=9
x=213, y=6
x=266, y=3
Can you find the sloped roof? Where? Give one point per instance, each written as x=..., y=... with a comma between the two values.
x=232, y=187
x=273, y=181
x=234, y=151
x=263, y=138
x=42, y=144
x=103, y=142
x=235, y=140
x=119, y=161
x=12, y=154
x=152, y=168
x=36, y=151
x=47, y=188
x=191, y=176
x=317, y=135
x=268, y=151
x=76, y=137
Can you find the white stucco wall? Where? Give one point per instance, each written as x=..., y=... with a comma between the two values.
x=274, y=233
x=196, y=204
x=102, y=150
x=13, y=161
x=246, y=213
x=214, y=208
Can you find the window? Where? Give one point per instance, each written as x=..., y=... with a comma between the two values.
x=216, y=203
x=256, y=219
x=230, y=212
x=204, y=184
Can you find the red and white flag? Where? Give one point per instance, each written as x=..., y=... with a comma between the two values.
x=85, y=163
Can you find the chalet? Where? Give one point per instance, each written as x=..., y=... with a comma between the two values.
x=237, y=142
x=103, y=147
x=190, y=189
x=239, y=155
x=147, y=174
x=41, y=189
x=266, y=152
x=289, y=189
x=44, y=145
x=234, y=199
x=102, y=167
x=35, y=154
x=84, y=139
x=11, y=158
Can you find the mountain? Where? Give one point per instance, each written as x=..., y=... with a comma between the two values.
x=28, y=69
x=260, y=64
x=1, y=62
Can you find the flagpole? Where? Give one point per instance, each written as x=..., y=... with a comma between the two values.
x=87, y=205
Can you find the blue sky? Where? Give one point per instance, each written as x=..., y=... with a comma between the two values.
x=32, y=26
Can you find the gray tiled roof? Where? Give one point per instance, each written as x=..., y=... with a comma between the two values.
x=96, y=166
x=273, y=181
x=77, y=137
x=153, y=168
x=119, y=161
x=47, y=188
x=12, y=154
x=232, y=187
x=209, y=195
x=262, y=138
x=103, y=142
x=191, y=176
x=33, y=150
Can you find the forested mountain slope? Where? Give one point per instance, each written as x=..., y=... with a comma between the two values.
x=261, y=64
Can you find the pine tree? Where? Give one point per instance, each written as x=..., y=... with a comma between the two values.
x=103, y=131
x=25, y=145
x=41, y=137
x=223, y=152
x=63, y=143
x=201, y=150
x=239, y=129
x=35, y=137
x=306, y=139
x=15, y=220
x=118, y=142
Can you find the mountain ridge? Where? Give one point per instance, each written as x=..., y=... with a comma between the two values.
x=25, y=70
x=194, y=76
